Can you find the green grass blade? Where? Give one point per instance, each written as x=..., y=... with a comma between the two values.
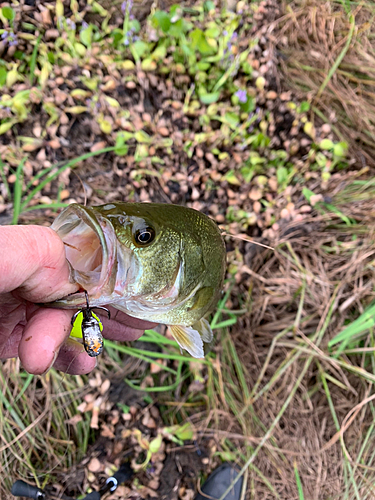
x=33, y=60
x=298, y=482
x=44, y=206
x=17, y=195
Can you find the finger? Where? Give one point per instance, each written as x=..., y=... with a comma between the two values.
x=73, y=359
x=13, y=320
x=44, y=333
x=33, y=260
x=123, y=327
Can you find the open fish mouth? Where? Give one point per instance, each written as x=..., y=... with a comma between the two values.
x=91, y=250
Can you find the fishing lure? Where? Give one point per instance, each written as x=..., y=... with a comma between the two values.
x=91, y=328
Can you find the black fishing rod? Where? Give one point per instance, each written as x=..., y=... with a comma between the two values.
x=22, y=489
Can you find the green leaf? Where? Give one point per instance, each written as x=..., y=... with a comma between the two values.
x=8, y=13
x=247, y=68
x=232, y=119
x=155, y=444
x=139, y=48
x=161, y=20
x=142, y=137
x=177, y=29
x=209, y=98
x=248, y=106
x=247, y=173
x=208, y=6
x=76, y=110
x=148, y=64
x=213, y=32
x=112, y=102
x=86, y=36
x=80, y=49
x=282, y=175
x=4, y=127
x=326, y=144
x=200, y=43
x=185, y=432
x=122, y=150
x=3, y=76
x=203, y=66
x=340, y=149
x=304, y=106
x=159, y=53
x=231, y=178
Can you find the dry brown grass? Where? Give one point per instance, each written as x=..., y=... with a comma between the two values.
x=312, y=36
x=319, y=278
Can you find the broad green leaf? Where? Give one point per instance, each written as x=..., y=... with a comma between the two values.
x=326, y=144
x=80, y=93
x=200, y=42
x=148, y=64
x=209, y=98
x=177, y=29
x=232, y=119
x=8, y=13
x=161, y=20
x=304, y=106
x=86, y=36
x=80, y=49
x=213, y=32
x=185, y=432
x=139, y=48
x=231, y=178
x=76, y=110
x=142, y=137
x=159, y=53
x=340, y=149
x=105, y=126
x=155, y=444
x=112, y=102
x=281, y=175
x=4, y=127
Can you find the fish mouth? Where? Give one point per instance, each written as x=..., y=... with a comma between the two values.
x=91, y=250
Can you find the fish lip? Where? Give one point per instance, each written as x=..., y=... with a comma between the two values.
x=96, y=286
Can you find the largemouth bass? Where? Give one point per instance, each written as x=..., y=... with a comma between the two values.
x=157, y=262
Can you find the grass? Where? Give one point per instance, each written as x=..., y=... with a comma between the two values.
x=341, y=82
x=35, y=437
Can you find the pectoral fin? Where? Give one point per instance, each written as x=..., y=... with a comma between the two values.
x=204, y=330
x=188, y=339
x=191, y=338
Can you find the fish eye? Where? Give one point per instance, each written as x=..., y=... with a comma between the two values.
x=144, y=236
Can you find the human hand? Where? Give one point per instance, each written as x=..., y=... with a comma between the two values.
x=33, y=269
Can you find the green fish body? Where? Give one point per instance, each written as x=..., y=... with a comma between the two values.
x=157, y=262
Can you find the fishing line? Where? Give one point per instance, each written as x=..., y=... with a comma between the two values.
x=83, y=187
x=245, y=238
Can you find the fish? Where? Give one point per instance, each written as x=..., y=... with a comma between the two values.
x=157, y=262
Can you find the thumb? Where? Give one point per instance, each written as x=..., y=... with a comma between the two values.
x=33, y=263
